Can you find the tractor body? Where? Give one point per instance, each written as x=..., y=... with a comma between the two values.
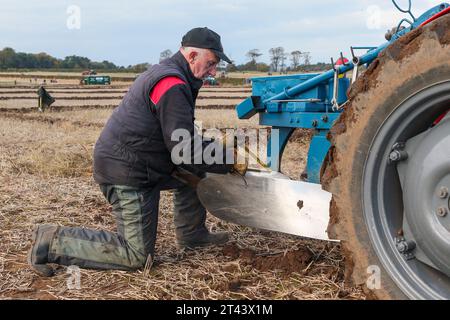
x=313, y=101
x=382, y=149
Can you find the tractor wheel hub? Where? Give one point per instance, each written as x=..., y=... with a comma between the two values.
x=425, y=179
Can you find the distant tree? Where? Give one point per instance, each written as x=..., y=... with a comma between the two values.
x=141, y=67
x=10, y=59
x=108, y=65
x=16, y=60
x=262, y=67
x=283, y=59
x=165, y=54
x=253, y=55
x=76, y=62
x=295, y=59
x=318, y=67
x=7, y=58
x=231, y=67
x=104, y=65
x=306, y=58
x=25, y=60
x=249, y=66
x=46, y=61
x=276, y=57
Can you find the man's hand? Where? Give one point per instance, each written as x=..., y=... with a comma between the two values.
x=238, y=167
x=240, y=154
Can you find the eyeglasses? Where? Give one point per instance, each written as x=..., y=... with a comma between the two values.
x=211, y=64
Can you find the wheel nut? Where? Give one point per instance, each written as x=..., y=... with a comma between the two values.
x=443, y=192
x=401, y=247
x=394, y=156
x=405, y=246
x=398, y=155
x=442, y=212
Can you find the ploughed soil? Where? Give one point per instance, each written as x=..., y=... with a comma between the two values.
x=287, y=262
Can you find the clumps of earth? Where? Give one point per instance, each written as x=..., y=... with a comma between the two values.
x=287, y=262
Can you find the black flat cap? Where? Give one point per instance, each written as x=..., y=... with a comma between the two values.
x=206, y=39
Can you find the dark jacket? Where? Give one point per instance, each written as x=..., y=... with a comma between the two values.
x=135, y=144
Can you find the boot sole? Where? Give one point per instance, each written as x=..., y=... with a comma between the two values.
x=46, y=270
x=201, y=245
x=33, y=242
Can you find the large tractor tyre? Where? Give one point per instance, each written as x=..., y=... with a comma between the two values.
x=389, y=170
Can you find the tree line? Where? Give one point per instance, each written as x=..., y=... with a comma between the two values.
x=10, y=59
x=280, y=61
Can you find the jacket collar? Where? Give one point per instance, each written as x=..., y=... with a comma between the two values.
x=179, y=60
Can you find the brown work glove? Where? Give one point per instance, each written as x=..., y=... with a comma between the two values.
x=240, y=168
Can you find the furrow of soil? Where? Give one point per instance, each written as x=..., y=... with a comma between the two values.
x=103, y=97
x=57, y=108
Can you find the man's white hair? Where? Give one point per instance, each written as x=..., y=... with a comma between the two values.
x=188, y=50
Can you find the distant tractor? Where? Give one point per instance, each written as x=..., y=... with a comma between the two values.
x=96, y=80
x=89, y=73
x=210, y=81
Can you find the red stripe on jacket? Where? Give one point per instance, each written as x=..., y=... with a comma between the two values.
x=163, y=86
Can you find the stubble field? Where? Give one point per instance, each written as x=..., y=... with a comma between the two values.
x=46, y=177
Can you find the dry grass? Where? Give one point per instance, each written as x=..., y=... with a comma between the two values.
x=39, y=148
x=20, y=81
x=112, y=102
x=108, y=94
x=65, y=95
x=295, y=155
x=79, y=118
x=45, y=177
x=203, y=274
x=223, y=119
x=216, y=118
x=31, y=103
x=44, y=74
x=108, y=97
x=246, y=90
x=55, y=90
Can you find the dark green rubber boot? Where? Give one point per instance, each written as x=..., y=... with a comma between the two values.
x=203, y=240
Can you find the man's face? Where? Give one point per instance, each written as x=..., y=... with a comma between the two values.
x=203, y=63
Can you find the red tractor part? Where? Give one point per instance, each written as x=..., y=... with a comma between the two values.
x=438, y=15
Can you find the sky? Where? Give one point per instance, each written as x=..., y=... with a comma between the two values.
x=137, y=31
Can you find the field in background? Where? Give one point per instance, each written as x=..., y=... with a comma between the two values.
x=59, y=74
x=14, y=78
x=46, y=177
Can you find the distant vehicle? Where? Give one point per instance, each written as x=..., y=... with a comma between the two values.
x=210, y=81
x=102, y=80
x=89, y=73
